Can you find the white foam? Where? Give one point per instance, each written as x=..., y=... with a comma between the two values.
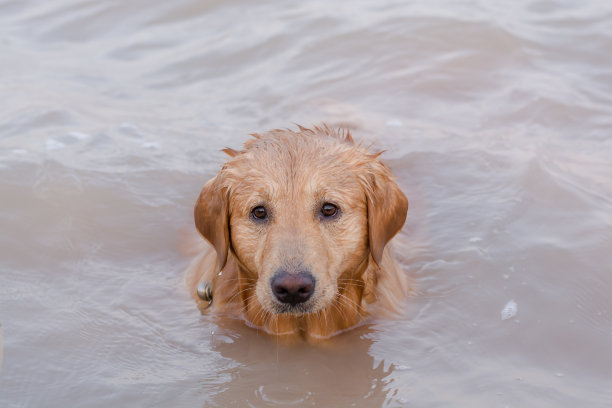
x=129, y=127
x=402, y=367
x=150, y=145
x=79, y=135
x=52, y=144
x=509, y=311
x=394, y=123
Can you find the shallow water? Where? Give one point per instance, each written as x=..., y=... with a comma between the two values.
x=496, y=118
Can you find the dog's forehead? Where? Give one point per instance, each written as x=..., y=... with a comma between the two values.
x=277, y=169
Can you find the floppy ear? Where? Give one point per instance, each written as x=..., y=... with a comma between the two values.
x=211, y=216
x=387, y=208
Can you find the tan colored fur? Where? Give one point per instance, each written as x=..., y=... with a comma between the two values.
x=293, y=173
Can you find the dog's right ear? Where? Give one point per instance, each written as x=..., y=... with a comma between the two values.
x=211, y=214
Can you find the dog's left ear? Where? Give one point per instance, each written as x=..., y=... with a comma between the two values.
x=211, y=214
x=387, y=208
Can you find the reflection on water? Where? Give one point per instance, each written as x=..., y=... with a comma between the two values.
x=340, y=373
x=496, y=118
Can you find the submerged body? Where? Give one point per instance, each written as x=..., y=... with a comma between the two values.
x=298, y=225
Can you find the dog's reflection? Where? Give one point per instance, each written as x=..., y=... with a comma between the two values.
x=336, y=373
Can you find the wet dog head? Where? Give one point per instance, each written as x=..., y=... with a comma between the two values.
x=302, y=213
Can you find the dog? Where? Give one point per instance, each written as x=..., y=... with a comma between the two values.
x=299, y=224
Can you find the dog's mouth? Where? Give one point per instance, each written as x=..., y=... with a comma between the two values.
x=315, y=303
x=294, y=310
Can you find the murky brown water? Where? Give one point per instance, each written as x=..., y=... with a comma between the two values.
x=497, y=120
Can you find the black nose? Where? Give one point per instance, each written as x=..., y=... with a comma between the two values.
x=293, y=288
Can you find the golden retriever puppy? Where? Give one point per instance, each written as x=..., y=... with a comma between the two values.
x=299, y=224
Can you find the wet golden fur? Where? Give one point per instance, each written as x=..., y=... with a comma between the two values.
x=293, y=173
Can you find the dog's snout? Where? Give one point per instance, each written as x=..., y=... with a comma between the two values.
x=293, y=288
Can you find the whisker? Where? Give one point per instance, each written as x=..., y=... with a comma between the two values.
x=355, y=306
x=350, y=280
x=325, y=317
x=351, y=301
x=238, y=293
x=318, y=314
x=239, y=279
x=336, y=306
x=265, y=317
x=246, y=301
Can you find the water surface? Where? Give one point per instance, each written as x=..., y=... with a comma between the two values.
x=495, y=117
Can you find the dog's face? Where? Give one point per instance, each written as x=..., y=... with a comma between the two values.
x=298, y=237
x=300, y=214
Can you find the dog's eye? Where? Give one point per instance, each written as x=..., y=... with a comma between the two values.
x=259, y=213
x=329, y=210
